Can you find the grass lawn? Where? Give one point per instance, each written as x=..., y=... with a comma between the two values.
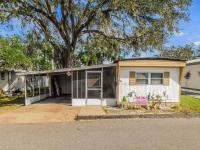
x=189, y=104
x=10, y=103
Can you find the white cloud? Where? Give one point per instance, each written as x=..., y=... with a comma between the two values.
x=179, y=34
x=197, y=43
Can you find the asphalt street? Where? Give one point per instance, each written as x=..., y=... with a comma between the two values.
x=133, y=134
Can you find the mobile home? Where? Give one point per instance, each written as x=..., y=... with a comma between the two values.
x=9, y=81
x=191, y=81
x=106, y=85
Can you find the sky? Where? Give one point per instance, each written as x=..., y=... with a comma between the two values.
x=12, y=28
x=189, y=31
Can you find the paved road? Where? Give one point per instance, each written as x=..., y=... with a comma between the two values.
x=145, y=134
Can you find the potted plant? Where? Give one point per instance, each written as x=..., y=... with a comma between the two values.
x=124, y=100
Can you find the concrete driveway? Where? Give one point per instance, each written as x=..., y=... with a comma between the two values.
x=50, y=110
x=135, y=134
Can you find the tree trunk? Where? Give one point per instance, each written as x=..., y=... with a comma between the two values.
x=67, y=62
x=68, y=59
x=64, y=59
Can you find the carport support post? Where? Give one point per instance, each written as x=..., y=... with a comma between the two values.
x=86, y=94
x=39, y=83
x=49, y=78
x=33, y=79
x=25, y=89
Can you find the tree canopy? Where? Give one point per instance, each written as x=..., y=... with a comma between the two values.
x=67, y=25
x=12, y=54
x=27, y=54
x=186, y=52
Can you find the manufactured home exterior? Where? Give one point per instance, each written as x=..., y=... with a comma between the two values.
x=150, y=76
x=9, y=81
x=191, y=81
x=106, y=85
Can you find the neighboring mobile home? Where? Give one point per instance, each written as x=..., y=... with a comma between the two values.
x=107, y=84
x=9, y=81
x=191, y=81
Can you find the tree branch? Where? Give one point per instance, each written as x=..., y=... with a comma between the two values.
x=90, y=18
x=109, y=36
x=64, y=35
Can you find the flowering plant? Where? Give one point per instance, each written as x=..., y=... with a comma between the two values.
x=141, y=101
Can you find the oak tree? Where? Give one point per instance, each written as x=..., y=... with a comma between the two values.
x=68, y=24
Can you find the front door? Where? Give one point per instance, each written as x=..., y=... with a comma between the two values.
x=94, y=87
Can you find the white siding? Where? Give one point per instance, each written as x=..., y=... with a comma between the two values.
x=143, y=90
x=16, y=82
x=84, y=102
x=4, y=83
x=194, y=80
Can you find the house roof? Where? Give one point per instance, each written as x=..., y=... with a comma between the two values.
x=12, y=70
x=64, y=70
x=193, y=62
x=151, y=58
x=151, y=62
x=143, y=61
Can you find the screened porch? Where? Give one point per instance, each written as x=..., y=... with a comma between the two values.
x=95, y=86
x=91, y=85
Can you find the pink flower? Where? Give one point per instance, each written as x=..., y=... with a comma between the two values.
x=141, y=100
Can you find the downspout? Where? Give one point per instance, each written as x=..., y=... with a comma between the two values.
x=118, y=82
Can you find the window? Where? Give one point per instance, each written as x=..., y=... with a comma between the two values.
x=2, y=75
x=141, y=78
x=149, y=78
x=156, y=78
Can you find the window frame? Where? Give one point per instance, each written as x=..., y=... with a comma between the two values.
x=136, y=74
x=157, y=78
x=149, y=77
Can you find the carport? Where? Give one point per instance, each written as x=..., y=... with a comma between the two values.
x=90, y=85
x=40, y=85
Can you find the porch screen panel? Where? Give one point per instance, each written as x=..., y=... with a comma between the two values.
x=30, y=86
x=37, y=85
x=94, y=85
x=44, y=85
x=94, y=94
x=109, y=82
x=81, y=84
x=74, y=84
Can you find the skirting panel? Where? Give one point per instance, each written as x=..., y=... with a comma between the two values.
x=95, y=102
x=31, y=100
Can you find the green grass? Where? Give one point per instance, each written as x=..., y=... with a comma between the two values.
x=189, y=104
x=10, y=103
x=7, y=99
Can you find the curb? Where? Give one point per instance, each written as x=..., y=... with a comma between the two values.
x=172, y=115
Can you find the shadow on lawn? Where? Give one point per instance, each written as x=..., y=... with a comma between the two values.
x=7, y=101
